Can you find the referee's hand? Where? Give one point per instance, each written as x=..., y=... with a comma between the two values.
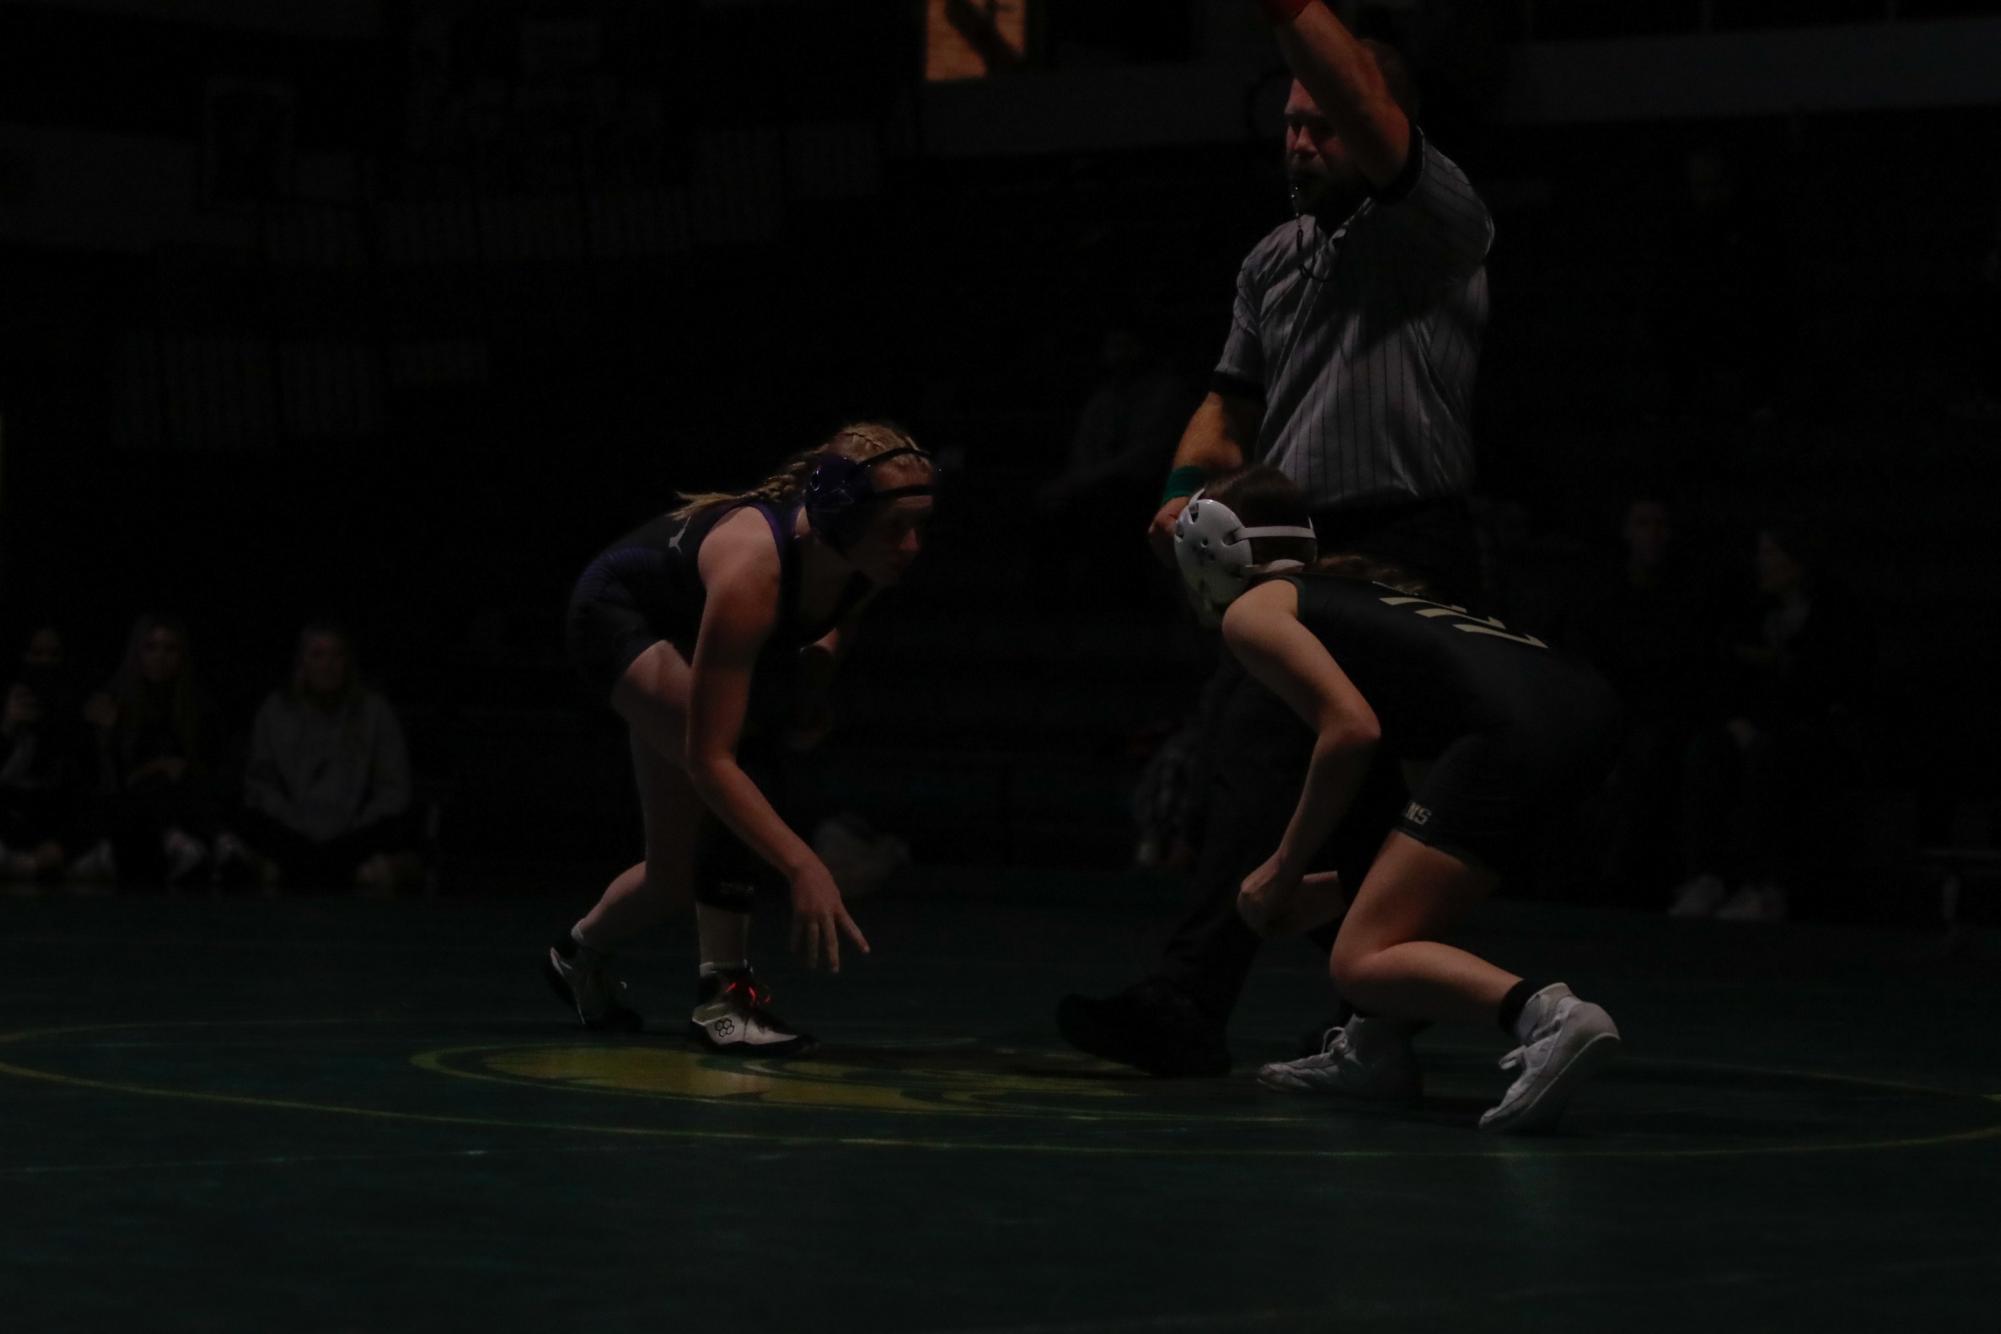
x=1160, y=533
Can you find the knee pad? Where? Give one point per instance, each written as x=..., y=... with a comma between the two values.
x=730, y=895
x=728, y=874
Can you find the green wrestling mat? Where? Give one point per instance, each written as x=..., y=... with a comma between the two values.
x=342, y=1115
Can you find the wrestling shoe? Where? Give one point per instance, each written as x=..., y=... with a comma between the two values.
x=732, y=1015
x=582, y=981
x=1366, y=1058
x=1314, y=1040
x=1566, y=1040
x=1151, y=1026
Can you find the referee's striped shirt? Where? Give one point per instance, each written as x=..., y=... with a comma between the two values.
x=1361, y=341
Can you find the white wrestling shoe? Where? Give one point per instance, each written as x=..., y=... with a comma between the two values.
x=1567, y=1039
x=1366, y=1058
x=731, y=1016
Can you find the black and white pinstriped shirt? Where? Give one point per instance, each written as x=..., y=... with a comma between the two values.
x=1361, y=341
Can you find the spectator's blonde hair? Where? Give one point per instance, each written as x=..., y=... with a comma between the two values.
x=857, y=440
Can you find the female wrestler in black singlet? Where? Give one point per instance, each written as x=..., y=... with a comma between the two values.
x=1497, y=734
x=713, y=631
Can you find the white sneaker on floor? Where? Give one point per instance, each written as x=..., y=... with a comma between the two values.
x=1567, y=1039
x=1698, y=897
x=1755, y=903
x=1366, y=1058
x=733, y=1015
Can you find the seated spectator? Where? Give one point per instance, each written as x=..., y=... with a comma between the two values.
x=326, y=793
x=1757, y=782
x=47, y=765
x=160, y=740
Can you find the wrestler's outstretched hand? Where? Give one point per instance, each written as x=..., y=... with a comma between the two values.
x=820, y=919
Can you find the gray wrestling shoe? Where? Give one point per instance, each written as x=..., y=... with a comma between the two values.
x=1567, y=1039
x=1366, y=1058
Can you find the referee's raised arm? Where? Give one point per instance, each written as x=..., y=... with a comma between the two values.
x=1346, y=78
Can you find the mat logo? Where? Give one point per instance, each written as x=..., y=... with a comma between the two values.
x=951, y=1077
x=1416, y=814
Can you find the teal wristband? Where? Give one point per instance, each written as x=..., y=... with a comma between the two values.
x=1184, y=481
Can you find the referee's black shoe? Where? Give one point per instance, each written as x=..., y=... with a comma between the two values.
x=1151, y=1026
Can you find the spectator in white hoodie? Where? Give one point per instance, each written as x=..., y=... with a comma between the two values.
x=326, y=792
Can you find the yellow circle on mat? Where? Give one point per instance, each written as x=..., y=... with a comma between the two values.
x=929, y=1081
x=968, y=1082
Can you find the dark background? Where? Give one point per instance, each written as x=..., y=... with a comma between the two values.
x=570, y=276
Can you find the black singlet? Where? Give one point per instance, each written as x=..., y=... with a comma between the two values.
x=647, y=587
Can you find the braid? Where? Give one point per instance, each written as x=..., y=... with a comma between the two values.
x=857, y=440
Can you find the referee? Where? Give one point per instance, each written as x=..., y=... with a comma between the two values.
x=1349, y=365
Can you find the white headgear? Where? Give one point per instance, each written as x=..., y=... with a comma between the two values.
x=1213, y=549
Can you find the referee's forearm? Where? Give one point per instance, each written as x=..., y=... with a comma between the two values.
x=1214, y=440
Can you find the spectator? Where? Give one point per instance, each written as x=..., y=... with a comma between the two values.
x=1756, y=783
x=47, y=764
x=160, y=741
x=326, y=794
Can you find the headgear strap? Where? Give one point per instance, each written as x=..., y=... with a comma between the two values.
x=838, y=488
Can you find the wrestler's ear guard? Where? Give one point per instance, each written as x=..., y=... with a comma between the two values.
x=838, y=493
x=1213, y=548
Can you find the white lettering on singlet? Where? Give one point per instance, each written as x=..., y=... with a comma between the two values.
x=1466, y=621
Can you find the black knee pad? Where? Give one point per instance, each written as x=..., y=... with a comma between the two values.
x=728, y=874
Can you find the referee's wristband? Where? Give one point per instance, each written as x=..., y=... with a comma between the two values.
x=1184, y=481
x=1283, y=11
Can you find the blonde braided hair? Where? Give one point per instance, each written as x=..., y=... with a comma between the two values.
x=856, y=440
